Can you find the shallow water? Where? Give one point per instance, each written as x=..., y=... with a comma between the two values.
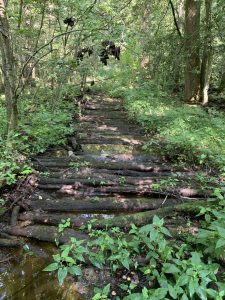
x=23, y=278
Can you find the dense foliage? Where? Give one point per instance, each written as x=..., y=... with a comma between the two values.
x=167, y=270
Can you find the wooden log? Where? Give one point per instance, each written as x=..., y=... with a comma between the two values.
x=55, y=219
x=122, y=190
x=113, y=157
x=14, y=216
x=97, y=182
x=101, y=173
x=143, y=218
x=107, y=141
x=10, y=243
x=110, y=165
x=110, y=205
x=45, y=233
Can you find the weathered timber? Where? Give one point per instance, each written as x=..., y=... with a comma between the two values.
x=10, y=243
x=100, y=173
x=46, y=233
x=110, y=165
x=143, y=218
x=55, y=219
x=14, y=215
x=102, y=157
x=110, y=205
x=123, y=190
x=96, y=182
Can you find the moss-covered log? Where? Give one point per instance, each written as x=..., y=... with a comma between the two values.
x=10, y=243
x=56, y=218
x=70, y=204
x=45, y=233
x=143, y=218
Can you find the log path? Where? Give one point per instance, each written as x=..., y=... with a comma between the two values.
x=111, y=179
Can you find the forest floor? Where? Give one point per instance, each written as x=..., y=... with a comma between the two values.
x=108, y=179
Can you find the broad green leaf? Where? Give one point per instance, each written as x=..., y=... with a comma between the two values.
x=75, y=270
x=51, y=267
x=170, y=268
x=62, y=273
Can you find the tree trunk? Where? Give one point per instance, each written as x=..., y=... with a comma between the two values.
x=192, y=43
x=8, y=70
x=222, y=83
x=145, y=32
x=206, y=66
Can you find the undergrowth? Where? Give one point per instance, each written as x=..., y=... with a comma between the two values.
x=148, y=262
x=43, y=123
x=181, y=132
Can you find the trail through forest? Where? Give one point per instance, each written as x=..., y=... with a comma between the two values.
x=108, y=176
x=103, y=176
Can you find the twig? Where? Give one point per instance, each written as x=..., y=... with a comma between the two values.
x=174, y=18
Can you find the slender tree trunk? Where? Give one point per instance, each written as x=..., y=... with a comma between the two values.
x=192, y=43
x=206, y=66
x=222, y=83
x=8, y=69
x=145, y=29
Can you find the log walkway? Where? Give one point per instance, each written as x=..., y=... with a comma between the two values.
x=109, y=179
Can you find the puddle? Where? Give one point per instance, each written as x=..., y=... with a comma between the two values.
x=22, y=277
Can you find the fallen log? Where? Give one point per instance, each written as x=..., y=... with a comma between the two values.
x=143, y=218
x=102, y=173
x=111, y=205
x=113, y=157
x=45, y=233
x=107, y=164
x=146, y=190
x=10, y=243
x=96, y=182
x=14, y=216
x=55, y=219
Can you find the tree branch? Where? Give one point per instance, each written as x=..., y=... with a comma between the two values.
x=174, y=18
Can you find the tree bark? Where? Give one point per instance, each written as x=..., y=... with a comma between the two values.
x=143, y=218
x=206, y=66
x=46, y=233
x=8, y=70
x=192, y=45
x=222, y=83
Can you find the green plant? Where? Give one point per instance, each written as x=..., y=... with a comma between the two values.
x=63, y=225
x=67, y=262
x=122, y=180
x=2, y=206
x=101, y=293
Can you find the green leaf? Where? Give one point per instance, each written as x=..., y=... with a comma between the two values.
x=220, y=243
x=106, y=289
x=165, y=231
x=196, y=258
x=62, y=273
x=170, y=268
x=51, y=267
x=75, y=270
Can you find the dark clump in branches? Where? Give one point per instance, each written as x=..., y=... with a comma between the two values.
x=69, y=21
x=81, y=53
x=108, y=48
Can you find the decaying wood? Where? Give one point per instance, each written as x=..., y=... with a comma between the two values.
x=55, y=219
x=14, y=215
x=143, y=218
x=109, y=204
x=46, y=233
x=10, y=243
